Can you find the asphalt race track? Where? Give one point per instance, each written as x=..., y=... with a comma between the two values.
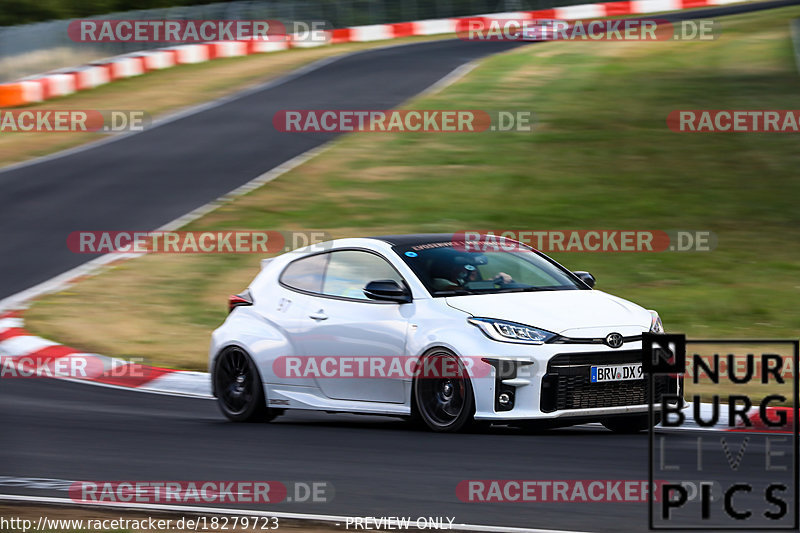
x=377, y=466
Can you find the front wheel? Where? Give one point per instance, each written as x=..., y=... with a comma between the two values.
x=240, y=394
x=630, y=423
x=444, y=402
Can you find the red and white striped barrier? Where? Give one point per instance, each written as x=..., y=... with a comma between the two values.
x=23, y=355
x=46, y=86
x=92, y=76
x=56, y=85
x=157, y=59
x=125, y=67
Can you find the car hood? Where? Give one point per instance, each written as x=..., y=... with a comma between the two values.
x=556, y=311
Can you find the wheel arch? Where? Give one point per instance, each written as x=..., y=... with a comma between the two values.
x=258, y=338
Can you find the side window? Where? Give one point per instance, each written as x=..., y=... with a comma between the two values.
x=306, y=274
x=349, y=271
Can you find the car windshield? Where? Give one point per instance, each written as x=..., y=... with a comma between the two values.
x=447, y=270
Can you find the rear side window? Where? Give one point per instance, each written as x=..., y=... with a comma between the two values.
x=349, y=271
x=306, y=274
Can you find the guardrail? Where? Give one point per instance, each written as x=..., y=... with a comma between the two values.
x=68, y=80
x=43, y=46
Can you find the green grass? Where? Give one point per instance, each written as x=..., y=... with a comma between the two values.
x=600, y=156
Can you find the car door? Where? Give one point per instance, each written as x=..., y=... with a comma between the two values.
x=345, y=323
x=289, y=310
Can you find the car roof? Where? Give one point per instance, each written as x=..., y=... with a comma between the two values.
x=415, y=238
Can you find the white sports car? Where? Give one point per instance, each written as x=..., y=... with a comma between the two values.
x=423, y=327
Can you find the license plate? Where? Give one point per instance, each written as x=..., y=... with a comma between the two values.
x=602, y=374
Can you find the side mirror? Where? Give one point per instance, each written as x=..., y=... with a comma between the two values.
x=387, y=290
x=586, y=278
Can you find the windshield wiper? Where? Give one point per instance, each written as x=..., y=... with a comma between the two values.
x=454, y=292
x=528, y=289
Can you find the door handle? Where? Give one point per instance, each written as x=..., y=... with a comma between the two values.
x=319, y=315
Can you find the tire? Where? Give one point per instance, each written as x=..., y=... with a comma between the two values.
x=446, y=404
x=237, y=383
x=630, y=424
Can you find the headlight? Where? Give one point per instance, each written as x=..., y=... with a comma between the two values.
x=655, y=324
x=504, y=331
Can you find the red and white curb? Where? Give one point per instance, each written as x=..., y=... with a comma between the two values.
x=67, y=81
x=24, y=355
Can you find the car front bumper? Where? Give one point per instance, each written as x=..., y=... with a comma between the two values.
x=552, y=382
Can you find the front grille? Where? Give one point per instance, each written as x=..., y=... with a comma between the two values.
x=566, y=384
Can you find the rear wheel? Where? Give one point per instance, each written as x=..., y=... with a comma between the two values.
x=240, y=394
x=630, y=423
x=445, y=403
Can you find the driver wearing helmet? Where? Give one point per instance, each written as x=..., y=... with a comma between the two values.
x=459, y=272
x=462, y=274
